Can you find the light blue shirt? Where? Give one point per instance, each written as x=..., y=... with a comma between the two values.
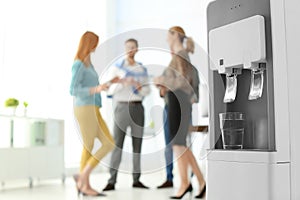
x=83, y=78
x=124, y=93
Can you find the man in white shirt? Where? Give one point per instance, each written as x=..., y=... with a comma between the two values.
x=127, y=96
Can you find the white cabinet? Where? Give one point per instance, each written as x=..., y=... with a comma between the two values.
x=14, y=163
x=37, y=152
x=46, y=162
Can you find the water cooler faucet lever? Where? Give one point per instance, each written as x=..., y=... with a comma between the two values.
x=257, y=81
x=231, y=84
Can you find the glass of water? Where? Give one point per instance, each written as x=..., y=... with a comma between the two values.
x=232, y=127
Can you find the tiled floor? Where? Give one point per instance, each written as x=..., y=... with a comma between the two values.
x=54, y=190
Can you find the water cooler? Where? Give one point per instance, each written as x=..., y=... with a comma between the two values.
x=253, y=47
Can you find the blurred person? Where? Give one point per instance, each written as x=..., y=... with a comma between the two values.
x=86, y=90
x=127, y=96
x=168, y=149
x=176, y=84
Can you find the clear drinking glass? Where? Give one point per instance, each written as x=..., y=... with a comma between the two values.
x=232, y=127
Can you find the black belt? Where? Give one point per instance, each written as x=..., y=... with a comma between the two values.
x=130, y=102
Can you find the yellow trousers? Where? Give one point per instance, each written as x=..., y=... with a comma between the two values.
x=92, y=126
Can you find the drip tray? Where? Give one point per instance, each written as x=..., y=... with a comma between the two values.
x=244, y=155
x=260, y=150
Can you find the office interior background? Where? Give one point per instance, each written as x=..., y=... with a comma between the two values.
x=38, y=41
x=40, y=145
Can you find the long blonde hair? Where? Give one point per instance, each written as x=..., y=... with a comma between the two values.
x=190, y=45
x=87, y=44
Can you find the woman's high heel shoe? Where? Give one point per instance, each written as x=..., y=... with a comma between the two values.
x=76, y=177
x=202, y=193
x=94, y=195
x=189, y=189
x=91, y=195
x=79, y=190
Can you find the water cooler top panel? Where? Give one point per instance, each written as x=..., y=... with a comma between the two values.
x=239, y=44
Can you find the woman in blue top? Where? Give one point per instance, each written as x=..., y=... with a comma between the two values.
x=86, y=90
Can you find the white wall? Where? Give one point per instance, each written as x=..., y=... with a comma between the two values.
x=190, y=14
x=38, y=41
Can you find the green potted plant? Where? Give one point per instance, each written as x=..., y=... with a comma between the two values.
x=12, y=104
x=25, y=104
